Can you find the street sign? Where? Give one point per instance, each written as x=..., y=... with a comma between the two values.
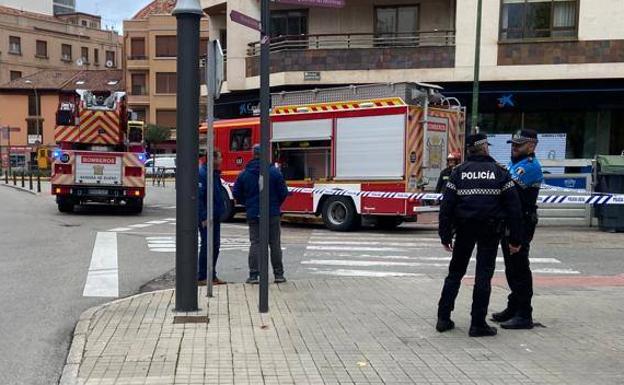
x=245, y=20
x=316, y=3
x=10, y=129
x=219, y=68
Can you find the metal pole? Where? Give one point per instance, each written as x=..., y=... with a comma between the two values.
x=37, y=117
x=188, y=14
x=30, y=181
x=39, y=182
x=265, y=101
x=210, y=88
x=477, y=67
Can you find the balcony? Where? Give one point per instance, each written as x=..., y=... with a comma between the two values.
x=360, y=51
x=138, y=95
x=137, y=62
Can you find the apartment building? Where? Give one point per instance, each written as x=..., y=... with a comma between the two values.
x=31, y=42
x=150, y=56
x=553, y=65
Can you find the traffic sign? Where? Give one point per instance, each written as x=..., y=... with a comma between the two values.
x=245, y=20
x=10, y=129
x=316, y=3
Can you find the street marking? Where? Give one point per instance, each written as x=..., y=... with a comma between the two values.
x=555, y=271
x=340, y=262
x=407, y=244
x=350, y=248
x=156, y=222
x=119, y=230
x=140, y=226
x=103, y=275
x=169, y=219
x=405, y=257
x=362, y=273
x=170, y=207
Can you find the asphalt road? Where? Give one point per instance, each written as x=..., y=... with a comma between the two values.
x=47, y=265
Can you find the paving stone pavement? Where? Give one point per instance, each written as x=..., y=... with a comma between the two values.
x=349, y=331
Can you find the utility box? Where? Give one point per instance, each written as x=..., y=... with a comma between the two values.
x=609, y=178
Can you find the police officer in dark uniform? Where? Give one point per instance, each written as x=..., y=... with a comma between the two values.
x=479, y=196
x=526, y=172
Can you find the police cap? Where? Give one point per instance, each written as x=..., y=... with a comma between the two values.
x=523, y=136
x=476, y=140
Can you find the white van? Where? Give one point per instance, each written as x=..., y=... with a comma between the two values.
x=168, y=162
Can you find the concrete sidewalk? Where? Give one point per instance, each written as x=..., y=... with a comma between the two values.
x=347, y=331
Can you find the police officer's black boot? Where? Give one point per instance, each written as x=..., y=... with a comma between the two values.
x=481, y=330
x=445, y=324
x=503, y=316
x=518, y=322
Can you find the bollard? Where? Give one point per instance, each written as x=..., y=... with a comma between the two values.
x=39, y=183
x=14, y=179
x=23, y=180
x=30, y=182
x=6, y=177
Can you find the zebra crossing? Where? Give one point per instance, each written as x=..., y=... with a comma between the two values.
x=392, y=255
x=167, y=244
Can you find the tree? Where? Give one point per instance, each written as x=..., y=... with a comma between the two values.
x=155, y=134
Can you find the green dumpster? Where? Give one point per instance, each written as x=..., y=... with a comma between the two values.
x=610, y=179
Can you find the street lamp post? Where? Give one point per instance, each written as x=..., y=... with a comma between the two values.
x=477, y=67
x=188, y=14
x=37, y=118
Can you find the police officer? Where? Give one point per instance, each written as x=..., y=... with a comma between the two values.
x=479, y=196
x=453, y=159
x=526, y=172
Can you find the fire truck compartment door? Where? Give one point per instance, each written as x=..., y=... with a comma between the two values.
x=302, y=130
x=99, y=169
x=370, y=147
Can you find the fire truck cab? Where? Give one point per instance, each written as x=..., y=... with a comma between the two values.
x=352, y=145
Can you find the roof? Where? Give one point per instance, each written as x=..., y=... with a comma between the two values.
x=156, y=7
x=90, y=15
x=69, y=80
x=32, y=15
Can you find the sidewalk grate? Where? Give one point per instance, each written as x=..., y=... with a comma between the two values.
x=191, y=319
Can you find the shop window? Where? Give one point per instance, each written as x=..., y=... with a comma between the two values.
x=534, y=19
x=42, y=49
x=166, y=46
x=240, y=139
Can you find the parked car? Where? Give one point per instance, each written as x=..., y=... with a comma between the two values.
x=152, y=165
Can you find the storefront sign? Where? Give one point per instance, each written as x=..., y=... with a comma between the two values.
x=312, y=76
x=34, y=139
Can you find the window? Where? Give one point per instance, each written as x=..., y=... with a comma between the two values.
x=166, y=82
x=96, y=56
x=166, y=46
x=139, y=84
x=15, y=45
x=34, y=104
x=110, y=59
x=397, y=26
x=141, y=114
x=84, y=23
x=166, y=118
x=16, y=75
x=284, y=23
x=84, y=51
x=42, y=49
x=137, y=48
x=32, y=127
x=66, y=52
x=203, y=47
x=529, y=19
x=240, y=140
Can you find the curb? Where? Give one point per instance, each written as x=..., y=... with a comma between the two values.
x=19, y=188
x=69, y=375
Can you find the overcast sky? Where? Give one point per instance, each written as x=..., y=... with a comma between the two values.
x=113, y=12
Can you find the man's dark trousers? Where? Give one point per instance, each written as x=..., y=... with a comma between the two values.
x=274, y=242
x=518, y=271
x=202, y=263
x=486, y=236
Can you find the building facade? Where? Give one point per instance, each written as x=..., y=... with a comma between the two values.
x=45, y=7
x=150, y=62
x=31, y=42
x=33, y=114
x=64, y=6
x=553, y=65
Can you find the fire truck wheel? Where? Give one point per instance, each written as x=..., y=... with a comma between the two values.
x=388, y=223
x=65, y=205
x=339, y=214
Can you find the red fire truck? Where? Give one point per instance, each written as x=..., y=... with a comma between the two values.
x=100, y=155
x=372, y=138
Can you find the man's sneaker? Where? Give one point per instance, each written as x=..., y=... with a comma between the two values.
x=201, y=282
x=518, y=322
x=280, y=279
x=253, y=280
x=444, y=325
x=217, y=281
x=503, y=316
x=484, y=330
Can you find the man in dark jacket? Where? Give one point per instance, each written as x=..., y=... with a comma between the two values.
x=217, y=213
x=247, y=192
x=479, y=196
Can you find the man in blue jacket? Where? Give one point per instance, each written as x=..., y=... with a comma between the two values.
x=217, y=213
x=247, y=192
